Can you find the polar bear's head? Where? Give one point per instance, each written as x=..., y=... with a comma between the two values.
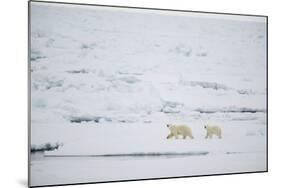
x=205, y=126
x=168, y=125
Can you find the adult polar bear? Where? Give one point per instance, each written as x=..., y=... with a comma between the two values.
x=213, y=130
x=176, y=130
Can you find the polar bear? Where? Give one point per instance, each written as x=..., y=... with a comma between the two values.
x=176, y=130
x=213, y=130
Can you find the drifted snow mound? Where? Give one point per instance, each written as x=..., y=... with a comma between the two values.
x=96, y=119
x=45, y=147
x=171, y=107
x=231, y=109
x=208, y=85
x=181, y=49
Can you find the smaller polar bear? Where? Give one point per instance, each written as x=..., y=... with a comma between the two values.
x=176, y=130
x=213, y=130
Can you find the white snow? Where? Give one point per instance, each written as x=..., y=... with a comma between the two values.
x=107, y=81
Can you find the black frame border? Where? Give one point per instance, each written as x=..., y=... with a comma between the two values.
x=140, y=8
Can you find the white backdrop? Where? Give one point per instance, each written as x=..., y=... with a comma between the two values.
x=13, y=100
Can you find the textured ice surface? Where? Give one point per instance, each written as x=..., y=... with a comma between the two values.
x=107, y=81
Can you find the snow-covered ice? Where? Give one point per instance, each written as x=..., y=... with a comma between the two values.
x=106, y=81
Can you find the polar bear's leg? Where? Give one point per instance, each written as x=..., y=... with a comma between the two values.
x=176, y=133
x=183, y=133
x=189, y=134
x=219, y=134
x=207, y=136
x=170, y=136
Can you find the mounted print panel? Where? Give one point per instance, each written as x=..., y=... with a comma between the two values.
x=119, y=93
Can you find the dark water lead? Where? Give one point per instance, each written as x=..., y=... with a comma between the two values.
x=141, y=154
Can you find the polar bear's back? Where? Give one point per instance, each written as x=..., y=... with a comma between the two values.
x=182, y=129
x=213, y=128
